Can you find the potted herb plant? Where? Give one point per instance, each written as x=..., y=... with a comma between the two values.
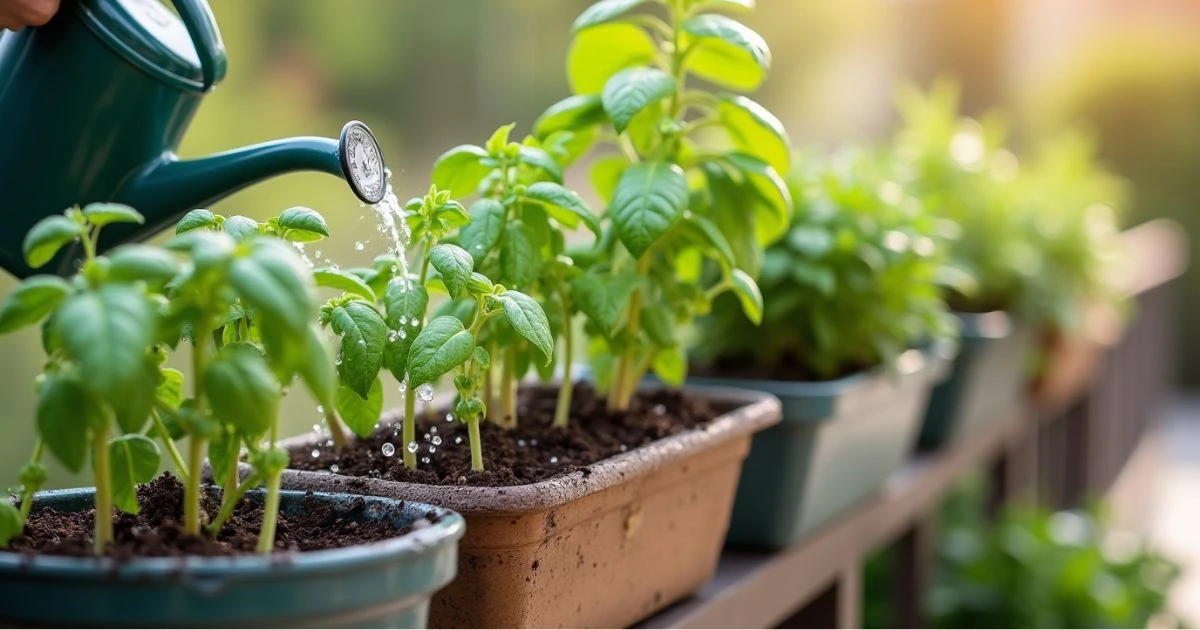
x=853, y=337
x=588, y=504
x=137, y=550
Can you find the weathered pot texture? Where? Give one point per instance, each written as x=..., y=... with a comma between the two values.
x=385, y=584
x=838, y=443
x=602, y=547
x=986, y=380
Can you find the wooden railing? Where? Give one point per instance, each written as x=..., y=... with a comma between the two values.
x=1058, y=450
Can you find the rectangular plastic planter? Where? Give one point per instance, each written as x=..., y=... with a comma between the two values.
x=386, y=584
x=987, y=379
x=838, y=443
x=604, y=547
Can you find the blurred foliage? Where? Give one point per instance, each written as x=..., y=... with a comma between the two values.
x=1139, y=91
x=1032, y=568
x=1035, y=237
x=853, y=284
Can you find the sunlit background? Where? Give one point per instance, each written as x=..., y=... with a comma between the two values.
x=426, y=76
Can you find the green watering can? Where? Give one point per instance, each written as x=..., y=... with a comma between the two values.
x=93, y=106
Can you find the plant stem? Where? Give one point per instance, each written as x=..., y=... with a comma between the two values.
x=489, y=395
x=191, y=488
x=410, y=425
x=28, y=491
x=266, y=536
x=337, y=430
x=169, y=445
x=104, y=501
x=476, y=444
x=562, y=412
x=618, y=398
x=233, y=494
x=507, y=417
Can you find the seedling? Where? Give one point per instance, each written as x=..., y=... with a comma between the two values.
x=696, y=176
x=516, y=236
x=239, y=296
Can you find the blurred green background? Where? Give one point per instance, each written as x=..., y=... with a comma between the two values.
x=429, y=75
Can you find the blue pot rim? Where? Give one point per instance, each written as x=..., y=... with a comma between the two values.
x=449, y=528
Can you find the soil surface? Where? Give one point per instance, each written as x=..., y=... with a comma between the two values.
x=788, y=368
x=157, y=531
x=532, y=452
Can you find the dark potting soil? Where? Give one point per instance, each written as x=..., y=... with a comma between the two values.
x=789, y=367
x=157, y=531
x=532, y=452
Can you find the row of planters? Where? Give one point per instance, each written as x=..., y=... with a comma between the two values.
x=535, y=497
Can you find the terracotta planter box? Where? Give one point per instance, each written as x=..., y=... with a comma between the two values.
x=602, y=548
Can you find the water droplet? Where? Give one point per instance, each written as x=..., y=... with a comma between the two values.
x=624, y=448
x=403, y=386
x=425, y=392
x=432, y=449
x=520, y=443
x=426, y=437
x=317, y=253
x=316, y=453
x=403, y=335
x=388, y=449
x=533, y=442
x=362, y=343
x=359, y=246
x=433, y=429
x=415, y=322
x=334, y=468
x=328, y=443
x=659, y=410
x=403, y=320
x=437, y=439
x=458, y=440
x=316, y=428
x=335, y=266
x=393, y=335
x=424, y=460
x=412, y=447
x=553, y=460
x=321, y=409
x=479, y=248
x=449, y=417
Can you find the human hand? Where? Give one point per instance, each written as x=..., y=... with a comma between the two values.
x=17, y=14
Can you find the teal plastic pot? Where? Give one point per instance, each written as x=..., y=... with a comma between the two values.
x=985, y=381
x=379, y=585
x=837, y=444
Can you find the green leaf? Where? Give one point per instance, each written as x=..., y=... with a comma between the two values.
x=405, y=299
x=273, y=280
x=483, y=233
x=132, y=405
x=195, y=220
x=108, y=332
x=48, y=236
x=455, y=265
x=10, y=522
x=538, y=158
x=564, y=205
x=481, y=358
x=748, y=294
x=242, y=390
x=363, y=334
x=169, y=393
x=442, y=346
x=649, y=199
x=670, y=364
x=209, y=250
x=240, y=228
x=529, y=320
x=223, y=450
x=606, y=172
x=66, y=410
x=756, y=131
x=33, y=299
x=573, y=113
x=133, y=459
x=303, y=225
x=460, y=170
x=773, y=210
x=812, y=242
x=820, y=278
x=727, y=52
x=632, y=90
x=519, y=261
x=317, y=368
x=711, y=236
x=734, y=5
x=499, y=139
x=603, y=298
x=603, y=11
x=342, y=281
x=656, y=321
x=360, y=413
x=599, y=52
x=153, y=265
x=104, y=213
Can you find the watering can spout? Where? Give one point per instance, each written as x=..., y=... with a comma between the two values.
x=168, y=188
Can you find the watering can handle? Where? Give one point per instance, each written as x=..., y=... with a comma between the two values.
x=202, y=27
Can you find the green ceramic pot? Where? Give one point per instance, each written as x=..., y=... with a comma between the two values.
x=379, y=585
x=987, y=378
x=838, y=443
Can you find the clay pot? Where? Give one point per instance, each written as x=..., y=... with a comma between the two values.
x=605, y=547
